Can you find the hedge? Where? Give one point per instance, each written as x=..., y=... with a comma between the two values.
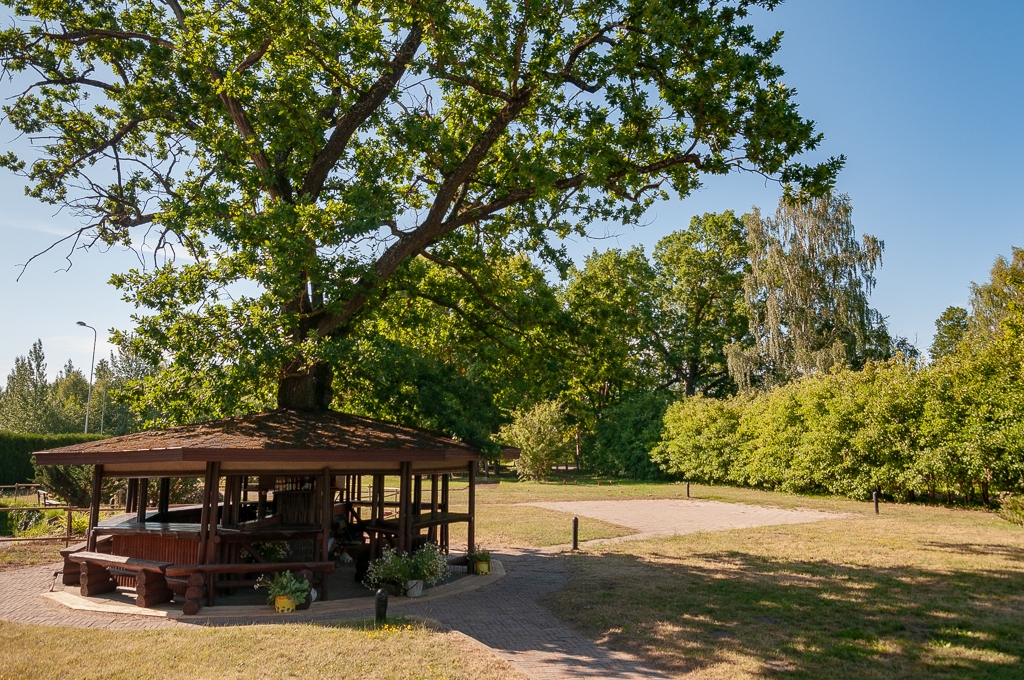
x=16, y=451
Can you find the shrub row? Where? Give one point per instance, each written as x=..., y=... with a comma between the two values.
x=951, y=430
x=16, y=451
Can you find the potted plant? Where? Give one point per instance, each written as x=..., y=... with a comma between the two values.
x=392, y=571
x=284, y=590
x=481, y=561
x=428, y=565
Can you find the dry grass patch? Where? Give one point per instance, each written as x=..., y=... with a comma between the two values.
x=18, y=554
x=280, y=651
x=915, y=592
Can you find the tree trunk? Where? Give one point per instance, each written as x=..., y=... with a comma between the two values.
x=691, y=378
x=307, y=390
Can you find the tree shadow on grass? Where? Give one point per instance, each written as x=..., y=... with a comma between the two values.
x=725, y=613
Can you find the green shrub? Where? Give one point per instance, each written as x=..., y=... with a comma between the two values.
x=16, y=451
x=699, y=439
x=1011, y=509
x=626, y=434
x=542, y=437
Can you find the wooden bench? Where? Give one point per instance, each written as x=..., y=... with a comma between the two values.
x=72, y=569
x=150, y=578
x=203, y=574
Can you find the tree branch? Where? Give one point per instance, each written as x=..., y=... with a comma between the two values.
x=88, y=35
x=472, y=282
x=364, y=107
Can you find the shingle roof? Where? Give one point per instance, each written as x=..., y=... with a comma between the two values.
x=289, y=433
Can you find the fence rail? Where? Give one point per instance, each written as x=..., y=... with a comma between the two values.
x=68, y=532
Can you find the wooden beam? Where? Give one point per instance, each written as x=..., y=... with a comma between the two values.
x=94, y=505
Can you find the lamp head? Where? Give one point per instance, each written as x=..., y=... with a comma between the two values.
x=81, y=323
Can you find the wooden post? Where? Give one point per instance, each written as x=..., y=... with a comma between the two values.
x=433, y=506
x=417, y=494
x=140, y=513
x=94, y=505
x=326, y=511
x=164, y=500
x=131, y=496
x=204, y=516
x=471, y=531
x=211, y=555
x=326, y=521
x=444, y=508
x=404, y=479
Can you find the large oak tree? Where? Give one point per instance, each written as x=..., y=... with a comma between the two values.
x=287, y=159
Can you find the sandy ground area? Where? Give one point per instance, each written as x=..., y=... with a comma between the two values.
x=667, y=517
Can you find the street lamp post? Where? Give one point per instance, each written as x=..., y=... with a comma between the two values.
x=88, y=400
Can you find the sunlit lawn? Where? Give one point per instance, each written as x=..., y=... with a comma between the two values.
x=280, y=651
x=914, y=592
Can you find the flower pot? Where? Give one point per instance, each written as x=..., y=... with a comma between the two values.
x=414, y=588
x=284, y=604
x=310, y=599
x=483, y=568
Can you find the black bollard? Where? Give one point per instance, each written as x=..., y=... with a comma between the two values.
x=874, y=497
x=575, y=533
x=380, y=604
x=687, y=489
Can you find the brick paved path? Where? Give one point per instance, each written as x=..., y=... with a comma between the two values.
x=506, y=616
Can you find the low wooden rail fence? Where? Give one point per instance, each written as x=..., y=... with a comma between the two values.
x=68, y=531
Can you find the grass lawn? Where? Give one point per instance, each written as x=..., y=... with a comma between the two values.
x=294, y=651
x=914, y=592
x=18, y=554
x=521, y=526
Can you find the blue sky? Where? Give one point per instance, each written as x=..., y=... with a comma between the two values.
x=923, y=97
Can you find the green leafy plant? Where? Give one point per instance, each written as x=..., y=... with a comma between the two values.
x=429, y=564
x=391, y=568
x=1011, y=509
x=479, y=556
x=284, y=584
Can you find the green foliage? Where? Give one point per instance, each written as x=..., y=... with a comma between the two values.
x=303, y=155
x=807, y=294
x=542, y=436
x=429, y=565
x=699, y=439
x=284, y=583
x=950, y=329
x=70, y=483
x=392, y=568
x=16, y=453
x=31, y=403
x=1012, y=509
x=951, y=428
x=626, y=434
x=700, y=310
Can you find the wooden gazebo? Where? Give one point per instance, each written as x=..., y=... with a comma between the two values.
x=318, y=479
